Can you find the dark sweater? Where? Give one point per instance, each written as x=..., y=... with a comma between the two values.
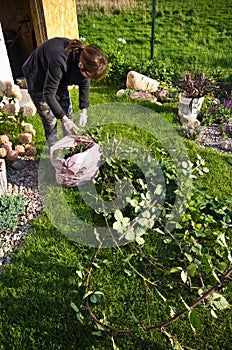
x=50, y=69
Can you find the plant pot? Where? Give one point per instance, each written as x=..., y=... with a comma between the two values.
x=189, y=107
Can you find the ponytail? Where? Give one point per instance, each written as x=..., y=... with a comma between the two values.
x=75, y=46
x=92, y=58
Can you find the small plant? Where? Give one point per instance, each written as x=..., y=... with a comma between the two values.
x=80, y=146
x=190, y=132
x=195, y=85
x=10, y=209
x=216, y=111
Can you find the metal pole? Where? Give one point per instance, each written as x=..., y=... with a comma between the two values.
x=153, y=28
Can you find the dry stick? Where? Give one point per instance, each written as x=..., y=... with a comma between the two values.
x=164, y=323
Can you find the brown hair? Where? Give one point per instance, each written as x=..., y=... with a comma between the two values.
x=93, y=60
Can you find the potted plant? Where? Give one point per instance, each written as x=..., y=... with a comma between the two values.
x=192, y=90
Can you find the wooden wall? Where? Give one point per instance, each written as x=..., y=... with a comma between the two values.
x=61, y=18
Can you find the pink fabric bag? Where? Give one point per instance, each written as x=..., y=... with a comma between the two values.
x=78, y=168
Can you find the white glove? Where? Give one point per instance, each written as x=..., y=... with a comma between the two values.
x=70, y=127
x=83, y=118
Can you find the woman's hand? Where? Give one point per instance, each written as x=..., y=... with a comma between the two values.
x=69, y=126
x=83, y=118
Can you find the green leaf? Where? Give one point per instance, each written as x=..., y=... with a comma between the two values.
x=176, y=269
x=125, y=221
x=189, y=257
x=213, y=313
x=87, y=294
x=194, y=319
x=130, y=235
x=118, y=215
x=93, y=299
x=74, y=307
x=172, y=311
x=140, y=240
x=191, y=270
x=134, y=202
x=79, y=273
x=79, y=316
x=158, y=190
x=222, y=240
x=159, y=231
x=96, y=265
x=219, y=301
x=184, y=276
x=117, y=226
x=134, y=317
x=97, y=333
x=128, y=272
x=146, y=214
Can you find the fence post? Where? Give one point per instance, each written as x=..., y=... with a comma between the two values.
x=153, y=28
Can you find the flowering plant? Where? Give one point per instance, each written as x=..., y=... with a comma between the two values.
x=217, y=111
x=15, y=134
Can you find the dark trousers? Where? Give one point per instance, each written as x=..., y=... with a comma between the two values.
x=48, y=119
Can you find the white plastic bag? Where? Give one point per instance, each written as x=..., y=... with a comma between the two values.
x=79, y=168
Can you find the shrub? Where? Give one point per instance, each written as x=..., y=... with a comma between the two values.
x=10, y=209
x=120, y=63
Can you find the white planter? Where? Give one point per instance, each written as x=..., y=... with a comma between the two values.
x=189, y=107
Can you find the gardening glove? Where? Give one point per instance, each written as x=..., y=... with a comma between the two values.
x=83, y=117
x=70, y=127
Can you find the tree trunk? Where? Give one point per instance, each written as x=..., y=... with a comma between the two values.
x=3, y=179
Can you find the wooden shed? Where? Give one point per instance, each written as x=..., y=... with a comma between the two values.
x=28, y=23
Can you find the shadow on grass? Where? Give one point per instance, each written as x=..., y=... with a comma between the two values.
x=36, y=291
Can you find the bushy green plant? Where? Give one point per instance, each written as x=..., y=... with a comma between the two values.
x=10, y=209
x=121, y=62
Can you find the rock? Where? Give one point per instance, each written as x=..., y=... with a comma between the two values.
x=137, y=81
x=18, y=164
x=120, y=92
x=140, y=95
x=189, y=120
x=226, y=145
x=163, y=94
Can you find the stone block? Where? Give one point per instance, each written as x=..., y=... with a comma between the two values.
x=137, y=81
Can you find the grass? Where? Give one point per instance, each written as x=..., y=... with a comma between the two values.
x=49, y=271
x=39, y=286
x=188, y=36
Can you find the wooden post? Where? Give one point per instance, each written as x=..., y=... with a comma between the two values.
x=3, y=178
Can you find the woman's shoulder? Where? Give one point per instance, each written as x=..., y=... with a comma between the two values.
x=57, y=43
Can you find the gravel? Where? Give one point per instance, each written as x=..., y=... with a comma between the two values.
x=212, y=137
x=23, y=179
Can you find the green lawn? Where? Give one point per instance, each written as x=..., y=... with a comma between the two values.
x=49, y=272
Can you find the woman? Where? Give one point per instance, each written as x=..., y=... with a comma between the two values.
x=50, y=69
